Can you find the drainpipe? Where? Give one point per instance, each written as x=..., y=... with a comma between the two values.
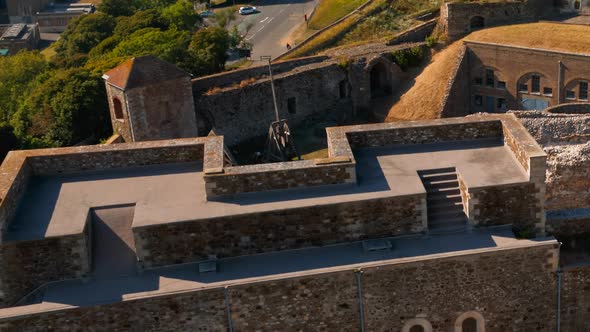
x=559, y=300
x=559, y=81
x=228, y=309
x=359, y=272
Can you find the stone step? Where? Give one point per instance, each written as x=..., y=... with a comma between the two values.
x=442, y=197
x=428, y=172
x=441, y=184
x=447, y=220
x=447, y=229
x=445, y=213
x=445, y=204
x=443, y=191
x=439, y=177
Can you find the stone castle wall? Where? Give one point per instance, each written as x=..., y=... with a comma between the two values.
x=241, y=113
x=27, y=265
x=456, y=100
x=455, y=18
x=575, y=299
x=513, y=289
x=270, y=231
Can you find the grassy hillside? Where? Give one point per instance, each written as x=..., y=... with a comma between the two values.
x=330, y=11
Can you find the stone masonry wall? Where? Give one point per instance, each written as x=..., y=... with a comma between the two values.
x=421, y=134
x=575, y=299
x=163, y=111
x=77, y=159
x=327, y=302
x=197, y=311
x=120, y=126
x=455, y=17
x=456, y=100
x=202, y=84
x=496, y=205
x=278, y=230
x=14, y=177
x=287, y=175
x=240, y=113
x=29, y=264
x=513, y=289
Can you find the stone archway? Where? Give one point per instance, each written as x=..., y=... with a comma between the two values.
x=380, y=80
x=476, y=23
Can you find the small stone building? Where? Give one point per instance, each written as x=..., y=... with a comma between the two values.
x=150, y=99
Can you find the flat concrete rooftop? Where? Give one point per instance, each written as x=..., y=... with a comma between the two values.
x=266, y=267
x=59, y=205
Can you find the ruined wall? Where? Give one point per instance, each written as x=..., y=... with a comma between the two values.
x=15, y=174
x=455, y=18
x=416, y=34
x=241, y=113
x=513, y=289
x=162, y=111
x=27, y=265
x=196, y=311
x=565, y=138
x=278, y=230
x=575, y=299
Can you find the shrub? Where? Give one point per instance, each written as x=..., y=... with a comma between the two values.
x=409, y=57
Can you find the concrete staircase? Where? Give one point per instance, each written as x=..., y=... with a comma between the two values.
x=444, y=201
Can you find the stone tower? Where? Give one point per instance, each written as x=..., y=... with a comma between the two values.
x=150, y=99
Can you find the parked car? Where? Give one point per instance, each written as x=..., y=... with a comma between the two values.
x=206, y=13
x=247, y=10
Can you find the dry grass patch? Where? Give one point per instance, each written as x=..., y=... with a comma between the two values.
x=424, y=99
x=544, y=35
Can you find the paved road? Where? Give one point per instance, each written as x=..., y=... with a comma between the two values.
x=270, y=28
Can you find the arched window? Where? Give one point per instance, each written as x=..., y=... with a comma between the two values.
x=118, y=108
x=417, y=328
x=471, y=321
x=417, y=325
x=476, y=22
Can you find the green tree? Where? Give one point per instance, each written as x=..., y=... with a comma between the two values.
x=67, y=106
x=150, y=18
x=181, y=15
x=17, y=76
x=84, y=33
x=8, y=140
x=208, y=50
x=169, y=45
x=117, y=7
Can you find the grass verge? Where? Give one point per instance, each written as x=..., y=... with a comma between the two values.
x=330, y=11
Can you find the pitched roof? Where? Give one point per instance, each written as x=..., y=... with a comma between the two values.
x=142, y=71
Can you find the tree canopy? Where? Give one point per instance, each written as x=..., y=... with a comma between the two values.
x=62, y=101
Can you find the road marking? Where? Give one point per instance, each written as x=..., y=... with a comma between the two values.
x=260, y=29
x=264, y=20
x=271, y=20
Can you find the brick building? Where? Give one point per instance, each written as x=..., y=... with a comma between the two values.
x=16, y=37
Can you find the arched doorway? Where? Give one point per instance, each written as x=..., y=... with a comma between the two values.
x=476, y=22
x=380, y=82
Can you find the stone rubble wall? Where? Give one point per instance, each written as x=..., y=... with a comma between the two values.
x=242, y=113
x=513, y=289
x=28, y=265
x=294, y=228
x=575, y=299
x=566, y=140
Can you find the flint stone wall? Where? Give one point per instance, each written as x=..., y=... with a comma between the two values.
x=241, y=113
x=514, y=289
x=278, y=230
x=28, y=265
x=575, y=299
